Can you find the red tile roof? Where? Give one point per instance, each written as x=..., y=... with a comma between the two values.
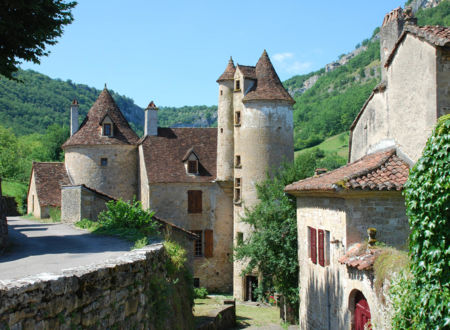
x=268, y=85
x=228, y=74
x=49, y=177
x=382, y=170
x=164, y=154
x=360, y=257
x=90, y=132
x=435, y=35
x=248, y=71
x=151, y=106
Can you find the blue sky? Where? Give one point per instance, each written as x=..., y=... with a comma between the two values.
x=173, y=51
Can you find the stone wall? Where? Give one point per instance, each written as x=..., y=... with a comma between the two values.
x=80, y=202
x=33, y=206
x=3, y=223
x=133, y=291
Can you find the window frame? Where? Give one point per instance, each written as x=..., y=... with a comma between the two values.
x=195, y=168
x=105, y=130
x=237, y=118
x=198, y=243
x=237, y=161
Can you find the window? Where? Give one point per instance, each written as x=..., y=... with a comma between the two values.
x=240, y=238
x=107, y=130
x=198, y=243
x=319, y=246
x=194, y=201
x=221, y=92
x=237, y=161
x=237, y=190
x=237, y=118
x=192, y=166
x=196, y=282
x=103, y=161
x=221, y=130
x=237, y=85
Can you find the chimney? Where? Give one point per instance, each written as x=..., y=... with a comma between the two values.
x=151, y=120
x=319, y=171
x=74, y=117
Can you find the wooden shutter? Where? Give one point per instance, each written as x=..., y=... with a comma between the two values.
x=194, y=201
x=209, y=241
x=312, y=235
x=321, y=248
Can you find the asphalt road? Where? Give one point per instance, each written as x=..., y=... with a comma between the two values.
x=49, y=248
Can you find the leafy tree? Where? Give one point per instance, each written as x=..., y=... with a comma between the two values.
x=27, y=27
x=271, y=248
x=422, y=299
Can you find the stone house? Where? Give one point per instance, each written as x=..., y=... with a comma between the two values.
x=197, y=179
x=336, y=209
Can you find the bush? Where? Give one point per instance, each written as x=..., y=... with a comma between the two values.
x=55, y=214
x=200, y=293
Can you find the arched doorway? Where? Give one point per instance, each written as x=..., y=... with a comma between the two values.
x=361, y=312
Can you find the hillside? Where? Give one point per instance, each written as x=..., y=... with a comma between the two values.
x=40, y=101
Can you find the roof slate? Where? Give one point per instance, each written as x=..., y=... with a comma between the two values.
x=90, y=131
x=380, y=171
x=49, y=177
x=164, y=154
x=248, y=71
x=268, y=85
x=360, y=257
x=228, y=74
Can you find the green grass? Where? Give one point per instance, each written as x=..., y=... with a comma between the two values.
x=337, y=143
x=18, y=190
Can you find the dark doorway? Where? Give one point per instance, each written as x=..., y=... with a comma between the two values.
x=362, y=312
x=251, y=283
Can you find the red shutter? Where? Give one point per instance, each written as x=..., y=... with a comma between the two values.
x=209, y=243
x=321, y=249
x=312, y=235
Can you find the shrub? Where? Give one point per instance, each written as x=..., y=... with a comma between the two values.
x=55, y=214
x=200, y=293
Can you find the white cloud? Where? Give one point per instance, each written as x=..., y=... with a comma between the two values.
x=287, y=62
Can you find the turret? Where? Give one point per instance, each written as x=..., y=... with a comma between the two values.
x=74, y=117
x=225, y=126
x=151, y=120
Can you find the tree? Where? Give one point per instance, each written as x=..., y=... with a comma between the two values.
x=27, y=27
x=271, y=248
x=422, y=299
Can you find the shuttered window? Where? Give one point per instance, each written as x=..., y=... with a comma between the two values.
x=194, y=201
x=321, y=247
x=209, y=242
x=198, y=243
x=312, y=245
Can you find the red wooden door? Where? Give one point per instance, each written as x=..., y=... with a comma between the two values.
x=362, y=313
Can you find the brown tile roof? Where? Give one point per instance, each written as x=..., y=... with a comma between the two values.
x=163, y=223
x=164, y=153
x=90, y=130
x=228, y=74
x=49, y=177
x=382, y=170
x=151, y=106
x=268, y=85
x=248, y=71
x=360, y=257
x=435, y=35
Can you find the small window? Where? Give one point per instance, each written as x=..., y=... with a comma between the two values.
x=194, y=201
x=237, y=194
x=237, y=161
x=196, y=282
x=240, y=238
x=198, y=243
x=237, y=182
x=221, y=130
x=103, y=161
x=238, y=85
x=237, y=118
x=193, y=166
x=221, y=92
x=107, y=130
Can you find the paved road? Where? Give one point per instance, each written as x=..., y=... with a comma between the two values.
x=48, y=248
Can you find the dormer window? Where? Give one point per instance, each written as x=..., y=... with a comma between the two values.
x=192, y=166
x=107, y=129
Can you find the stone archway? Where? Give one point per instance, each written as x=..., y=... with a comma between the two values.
x=360, y=311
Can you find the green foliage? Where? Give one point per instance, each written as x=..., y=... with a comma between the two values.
x=200, y=293
x=439, y=15
x=188, y=116
x=422, y=300
x=19, y=191
x=55, y=214
x=272, y=247
x=27, y=28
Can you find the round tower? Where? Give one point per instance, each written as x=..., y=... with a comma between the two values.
x=225, y=139
x=102, y=154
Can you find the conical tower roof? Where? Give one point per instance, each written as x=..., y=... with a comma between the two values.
x=228, y=74
x=268, y=85
x=90, y=132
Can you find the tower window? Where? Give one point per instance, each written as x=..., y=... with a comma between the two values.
x=238, y=85
x=103, y=161
x=221, y=130
x=237, y=118
x=240, y=238
x=107, y=130
x=237, y=161
x=193, y=166
x=221, y=92
x=237, y=190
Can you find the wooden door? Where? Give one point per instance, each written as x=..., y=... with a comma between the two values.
x=362, y=313
x=251, y=283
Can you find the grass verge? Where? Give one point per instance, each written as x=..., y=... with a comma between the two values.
x=337, y=143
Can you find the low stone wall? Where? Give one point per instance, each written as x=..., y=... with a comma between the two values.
x=10, y=205
x=137, y=290
x=223, y=319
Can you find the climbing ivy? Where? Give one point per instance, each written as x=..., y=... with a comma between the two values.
x=422, y=298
